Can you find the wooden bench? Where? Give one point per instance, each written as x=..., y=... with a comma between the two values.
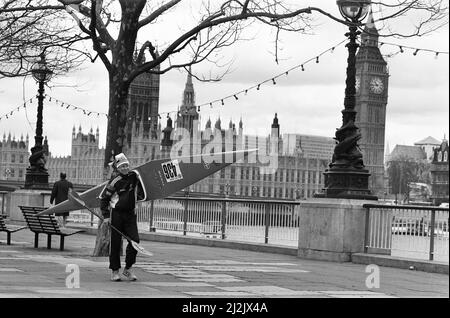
x=8, y=228
x=45, y=224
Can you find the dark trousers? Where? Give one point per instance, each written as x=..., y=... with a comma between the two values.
x=126, y=223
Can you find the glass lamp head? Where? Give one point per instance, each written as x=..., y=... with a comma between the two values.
x=354, y=10
x=40, y=71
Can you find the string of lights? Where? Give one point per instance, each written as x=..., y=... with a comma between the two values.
x=66, y=105
x=16, y=109
x=235, y=96
x=221, y=101
x=271, y=80
x=414, y=50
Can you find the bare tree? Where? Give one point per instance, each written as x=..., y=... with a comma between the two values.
x=113, y=27
x=26, y=31
x=403, y=170
x=221, y=24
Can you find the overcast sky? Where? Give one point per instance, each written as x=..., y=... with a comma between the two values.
x=307, y=102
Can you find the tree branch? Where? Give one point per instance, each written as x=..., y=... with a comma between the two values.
x=95, y=40
x=157, y=13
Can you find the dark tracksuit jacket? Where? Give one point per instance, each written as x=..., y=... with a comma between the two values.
x=60, y=193
x=120, y=196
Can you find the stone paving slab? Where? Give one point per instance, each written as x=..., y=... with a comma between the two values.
x=191, y=272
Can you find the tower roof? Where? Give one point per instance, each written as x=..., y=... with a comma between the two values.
x=169, y=125
x=407, y=152
x=275, y=122
x=370, y=27
x=218, y=124
x=188, y=108
x=370, y=35
x=428, y=141
x=189, y=93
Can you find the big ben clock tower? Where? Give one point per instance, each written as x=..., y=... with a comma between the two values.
x=371, y=99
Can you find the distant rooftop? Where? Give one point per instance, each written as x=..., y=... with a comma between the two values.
x=428, y=141
x=411, y=152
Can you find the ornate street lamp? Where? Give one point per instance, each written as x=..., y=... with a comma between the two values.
x=354, y=10
x=37, y=175
x=347, y=176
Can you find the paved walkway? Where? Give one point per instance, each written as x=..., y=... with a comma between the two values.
x=185, y=271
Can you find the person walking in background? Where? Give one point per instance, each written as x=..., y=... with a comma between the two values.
x=60, y=193
x=118, y=202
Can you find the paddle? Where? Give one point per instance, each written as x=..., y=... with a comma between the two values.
x=75, y=198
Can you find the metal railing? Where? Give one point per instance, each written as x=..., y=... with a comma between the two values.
x=407, y=231
x=262, y=221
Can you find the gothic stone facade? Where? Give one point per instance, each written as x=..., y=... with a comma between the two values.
x=440, y=174
x=371, y=100
x=13, y=158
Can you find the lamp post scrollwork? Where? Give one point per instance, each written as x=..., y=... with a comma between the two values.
x=347, y=176
x=37, y=175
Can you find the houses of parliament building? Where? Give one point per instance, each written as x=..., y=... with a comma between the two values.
x=301, y=159
x=299, y=170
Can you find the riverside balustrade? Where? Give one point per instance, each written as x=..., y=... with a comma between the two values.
x=250, y=220
x=407, y=231
x=416, y=232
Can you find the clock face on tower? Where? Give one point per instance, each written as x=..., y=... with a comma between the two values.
x=376, y=85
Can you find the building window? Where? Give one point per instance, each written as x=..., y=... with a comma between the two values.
x=20, y=173
x=13, y=158
x=21, y=159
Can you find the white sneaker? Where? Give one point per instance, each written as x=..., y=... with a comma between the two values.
x=129, y=274
x=115, y=277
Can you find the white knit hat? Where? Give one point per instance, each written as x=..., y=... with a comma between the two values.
x=120, y=159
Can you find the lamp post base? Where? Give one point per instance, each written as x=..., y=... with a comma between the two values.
x=346, y=183
x=36, y=180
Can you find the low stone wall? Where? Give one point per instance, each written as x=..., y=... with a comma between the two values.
x=398, y=262
x=26, y=197
x=331, y=229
